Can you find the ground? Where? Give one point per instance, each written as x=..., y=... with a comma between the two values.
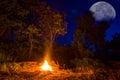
x=32, y=71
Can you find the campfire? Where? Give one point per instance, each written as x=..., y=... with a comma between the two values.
x=46, y=66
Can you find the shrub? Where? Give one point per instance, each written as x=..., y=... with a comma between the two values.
x=4, y=57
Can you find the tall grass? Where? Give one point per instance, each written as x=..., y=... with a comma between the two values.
x=5, y=58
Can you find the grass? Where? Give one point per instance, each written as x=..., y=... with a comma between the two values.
x=31, y=71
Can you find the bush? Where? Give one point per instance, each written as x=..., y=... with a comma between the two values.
x=4, y=57
x=87, y=62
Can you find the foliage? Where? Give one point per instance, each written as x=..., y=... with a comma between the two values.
x=63, y=55
x=5, y=54
x=13, y=14
x=5, y=58
x=90, y=33
x=115, y=42
x=88, y=30
x=87, y=62
x=28, y=27
x=52, y=24
x=31, y=36
x=113, y=47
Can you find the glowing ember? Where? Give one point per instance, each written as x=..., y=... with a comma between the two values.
x=46, y=66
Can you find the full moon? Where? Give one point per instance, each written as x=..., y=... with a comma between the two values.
x=103, y=11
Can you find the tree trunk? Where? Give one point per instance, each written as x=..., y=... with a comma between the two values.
x=2, y=31
x=31, y=44
x=48, y=49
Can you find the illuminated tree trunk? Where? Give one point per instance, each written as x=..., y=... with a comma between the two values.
x=48, y=51
x=49, y=45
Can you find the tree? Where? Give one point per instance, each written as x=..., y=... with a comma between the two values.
x=114, y=46
x=52, y=23
x=97, y=34
x=11, y=14
x=28, y=33
x=84, y=26
x=116, y=40
x=12, y=21
x=97, y=37
x=89, y=32
x=31, y=33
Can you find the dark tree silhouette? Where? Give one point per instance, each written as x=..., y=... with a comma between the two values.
x=114, y=47
x=89, y=32
x=81, y=42
x=13, y=14
x=85, y=23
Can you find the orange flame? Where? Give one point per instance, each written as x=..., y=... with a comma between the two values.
x=46, y=66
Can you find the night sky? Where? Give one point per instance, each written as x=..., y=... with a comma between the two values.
x=74, y=8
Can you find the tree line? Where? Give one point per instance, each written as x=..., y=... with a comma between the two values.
x=29, y=28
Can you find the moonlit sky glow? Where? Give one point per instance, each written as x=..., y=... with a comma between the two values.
x=75, y=8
